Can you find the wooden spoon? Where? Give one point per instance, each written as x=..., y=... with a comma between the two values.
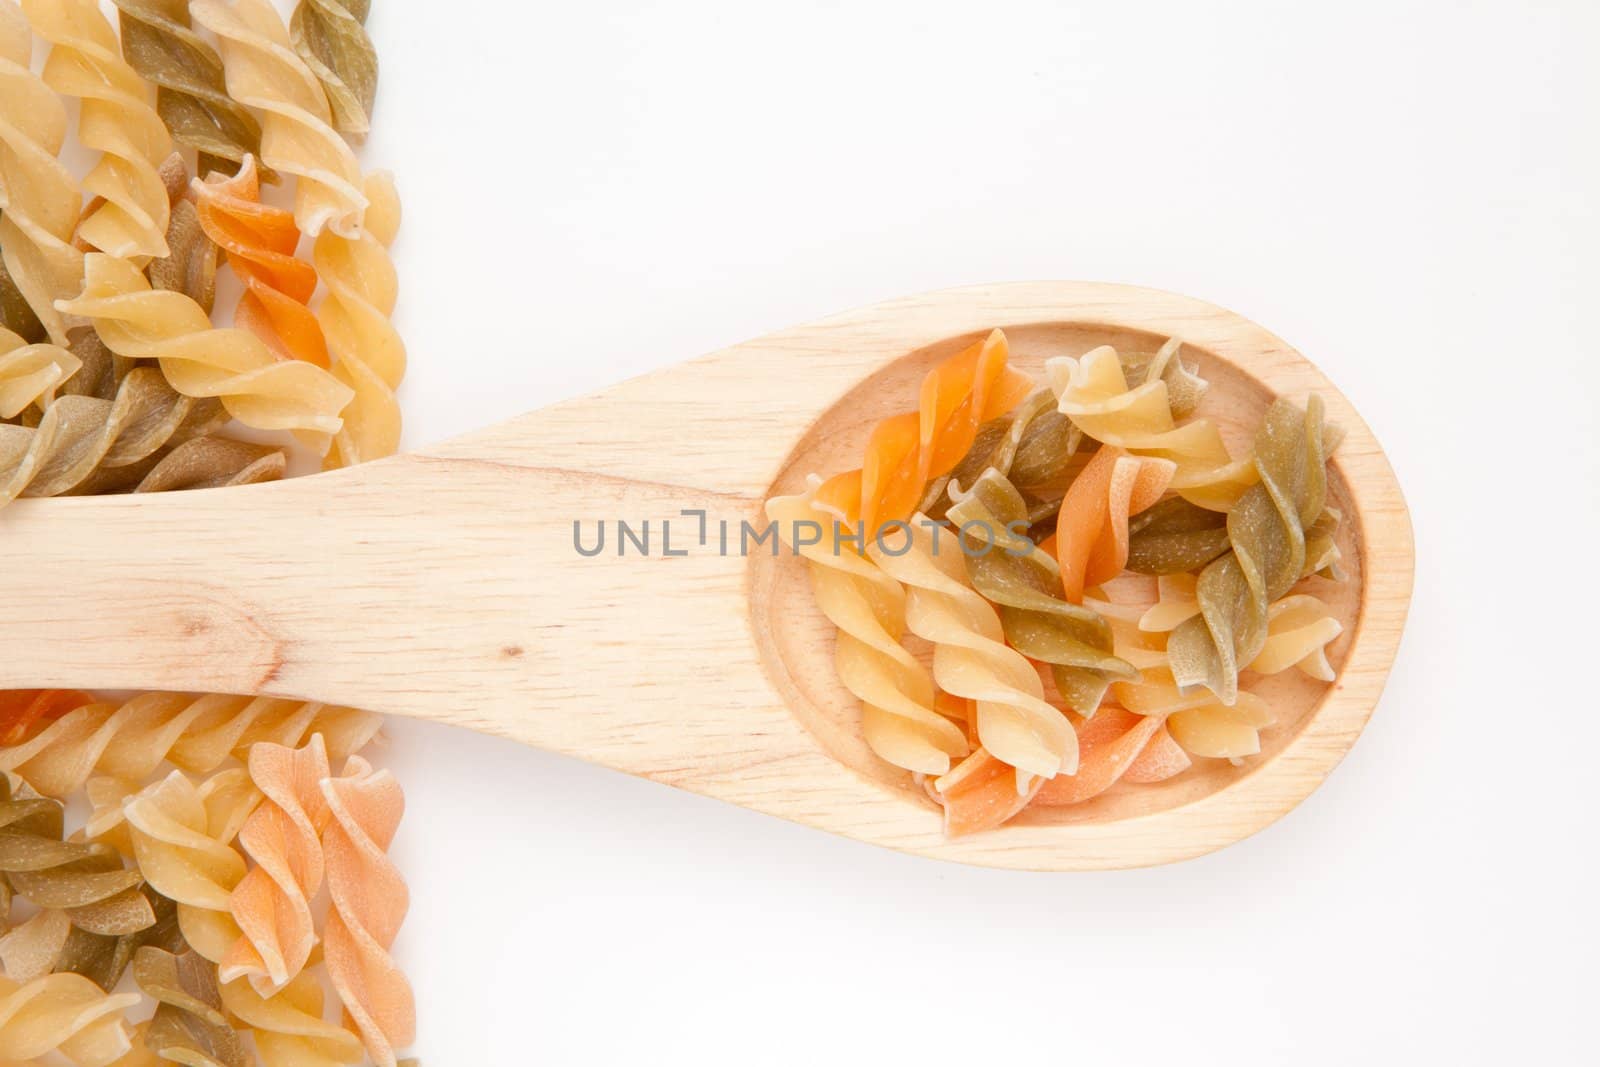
x=445, y=584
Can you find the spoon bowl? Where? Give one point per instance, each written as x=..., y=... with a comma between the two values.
x=467, y=582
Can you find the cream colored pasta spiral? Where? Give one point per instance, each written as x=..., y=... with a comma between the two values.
x=131, y=740
x=234, y=365
x=63, y=1013
x=182, y=838
x=971, y=658
x=39, y=199
x=117, y=120
x=288, y=1027
x=369, y=901
x=1094, y=393
x=30, y=372
x=898, y=715
x=297, y=136
x=368, y=354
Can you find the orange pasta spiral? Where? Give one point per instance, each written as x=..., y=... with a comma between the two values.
x=260, y=241
x=1092, y=530
x=369, y=901
x=907, y=451
x=272, y=905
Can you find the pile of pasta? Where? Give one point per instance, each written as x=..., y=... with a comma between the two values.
x=227, y=899
x=1044, y=591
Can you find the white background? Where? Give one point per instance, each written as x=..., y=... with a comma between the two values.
x=1405, y=191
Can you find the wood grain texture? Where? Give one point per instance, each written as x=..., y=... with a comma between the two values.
x=444, y=584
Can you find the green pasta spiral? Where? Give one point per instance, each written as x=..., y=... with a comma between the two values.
x=190, y=1025
x=1025, y=584
x=1267, y=531
x=331, y=37
x=191, y=95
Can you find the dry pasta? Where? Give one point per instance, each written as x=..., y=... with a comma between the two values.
x=182, y=840
x=369, y=901
x=297, y=137
x=289, y=1028
x=1024, y=583
x=972, y=659
x=330, y=37
x=130, y=741
x=78, y=435
x=66, y=1014
x=1094, y=392
x=1266, y=529
x=191, y=95
x=189, y=1025
x=369, y=355
x=39, y=199
x=201, y=361
x=272, y=905
x=898, y=714
x=260, y=242
x=30, y=373
x=115, y=119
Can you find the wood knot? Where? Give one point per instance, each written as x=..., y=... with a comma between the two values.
x=513, y=652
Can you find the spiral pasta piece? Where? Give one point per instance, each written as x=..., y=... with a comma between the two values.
x=1092, y=526
x=1094, y=392
x=898, y=715
x=39, y=199
x=260, y=241
x=211, y=462
x=1267, y=529
x=297, y=137
x=23, y=711
x=972, y=660
x=288, y=1028
x=330, y=36
x=29, y=373
x=189, y=1025
x=369, y=355
x=272, y=905
x=1299, y=628
x=1110, y=748
x=232, y=364
x=182, y=839
x=1024, y=583
x=80, y=435
x=190, y=266
x=907, y=451
x=130, y=741
x=87, y=882
x=115, y=119
x=1197, y=720
x=369, y=901
x=63, y=1013
x=192, y=98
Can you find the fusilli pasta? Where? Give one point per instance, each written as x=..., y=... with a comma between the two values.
x=78, y=435
x=297, y=137
x=200, y=361
x=272, y=905
x=330, y=37
x=30, y=372
x=115, y=119
x=191, y=95
x=181, y=836
x=369, y=901
x=1024, y=583
x=898, y=715
x=1197, y=719
x=189, y=1026
x=971, y=658
x=39, y=198
x=1092, y=527
x=369, y=355
x=260, y=241
x=1094, y=392
x=63, y=1013
x=1266, y=529
x=289, y=1028
x=131, y=740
